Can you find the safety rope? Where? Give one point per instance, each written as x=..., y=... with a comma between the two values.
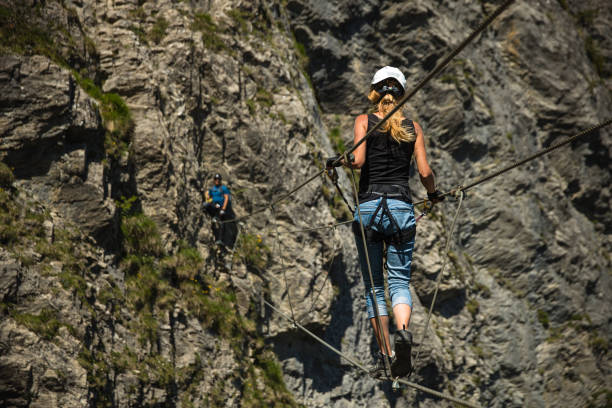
x=526, y=160
x=432, y=74
x=438, y=280
x=333, y=176
x=329, y=270
x=283, y=266
x=402, y=101
x=381, y=334
x=330, y=226
x=363, y=367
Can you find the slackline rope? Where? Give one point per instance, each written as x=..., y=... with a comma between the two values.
x=363, y=368
x=432, y=74
x=278, y=248
x=382, y=339
x=438, y=280
x=330, y=226
x=493, y=175
x=329, y=270
x=402, y=101
x=527, y=159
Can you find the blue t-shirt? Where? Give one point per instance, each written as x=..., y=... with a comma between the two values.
x=217, y=192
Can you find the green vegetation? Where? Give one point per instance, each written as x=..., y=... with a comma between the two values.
x=336, y=140
x=253, y=252
x=601, y=398
x=155, y=281
x=115, y=114
x=240, y=18
x=6, y=176
x=598, y=344
x=301, y=53
x=338, y=208
x=18, y=224
x=141, y=236
x=20, y=35
x=210, y=32
x=484, y=290
x=140, y=33
x=46, y=324
x=473, y=307
x=262, y=97
x=543, y=318
x=23, y=32
x=158, y=32
x=595, y=55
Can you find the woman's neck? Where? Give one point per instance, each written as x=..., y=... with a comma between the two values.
x=381, y=115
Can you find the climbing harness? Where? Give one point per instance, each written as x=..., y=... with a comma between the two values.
x=374, y=235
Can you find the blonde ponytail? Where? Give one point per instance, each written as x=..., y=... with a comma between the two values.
x=385, y=104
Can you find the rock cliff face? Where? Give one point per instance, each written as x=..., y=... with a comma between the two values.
x=116, y=113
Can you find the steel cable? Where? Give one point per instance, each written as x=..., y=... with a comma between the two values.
x=363, y=368
x=438, y=280
x=402, y=101
x=525, y=160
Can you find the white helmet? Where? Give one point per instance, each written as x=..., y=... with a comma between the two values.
x=389, y=72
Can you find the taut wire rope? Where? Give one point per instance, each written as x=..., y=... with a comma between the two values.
x=330, y=226
x=278, y=247
x=527, y=159
x=438, y=280
x=363, y=368
x=429, y=76
x=380, y=334
x=329, y=269
x=402, y=101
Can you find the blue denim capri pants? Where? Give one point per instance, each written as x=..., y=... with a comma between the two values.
x=399, y=257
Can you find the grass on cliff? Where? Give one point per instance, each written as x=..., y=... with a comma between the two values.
x=251, y=249
x=23, y=31
x=155, y=282
x=210, y=32
x=115, y=115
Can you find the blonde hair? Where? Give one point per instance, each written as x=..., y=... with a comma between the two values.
x=394, y=123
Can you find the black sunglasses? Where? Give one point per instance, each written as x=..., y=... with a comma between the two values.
x=393, y=90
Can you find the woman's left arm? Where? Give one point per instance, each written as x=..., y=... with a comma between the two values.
x=361, y=127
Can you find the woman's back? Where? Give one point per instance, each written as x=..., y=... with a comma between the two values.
x=387, y=161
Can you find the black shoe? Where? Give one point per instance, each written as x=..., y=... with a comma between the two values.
x=402, y=365
x=378, y=370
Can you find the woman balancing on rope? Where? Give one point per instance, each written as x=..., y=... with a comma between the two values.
x=387, y=215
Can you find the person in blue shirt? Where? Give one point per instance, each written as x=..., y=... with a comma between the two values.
x=219, y=206
x=218, y=201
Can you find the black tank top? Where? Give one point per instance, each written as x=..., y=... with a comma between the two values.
x=387, y=161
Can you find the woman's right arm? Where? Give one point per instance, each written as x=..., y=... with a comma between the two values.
x=427, y=177
x=360, y=130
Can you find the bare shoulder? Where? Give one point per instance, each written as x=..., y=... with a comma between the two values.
x=361, y=119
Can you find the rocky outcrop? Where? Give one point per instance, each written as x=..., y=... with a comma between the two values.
x=115, y=119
